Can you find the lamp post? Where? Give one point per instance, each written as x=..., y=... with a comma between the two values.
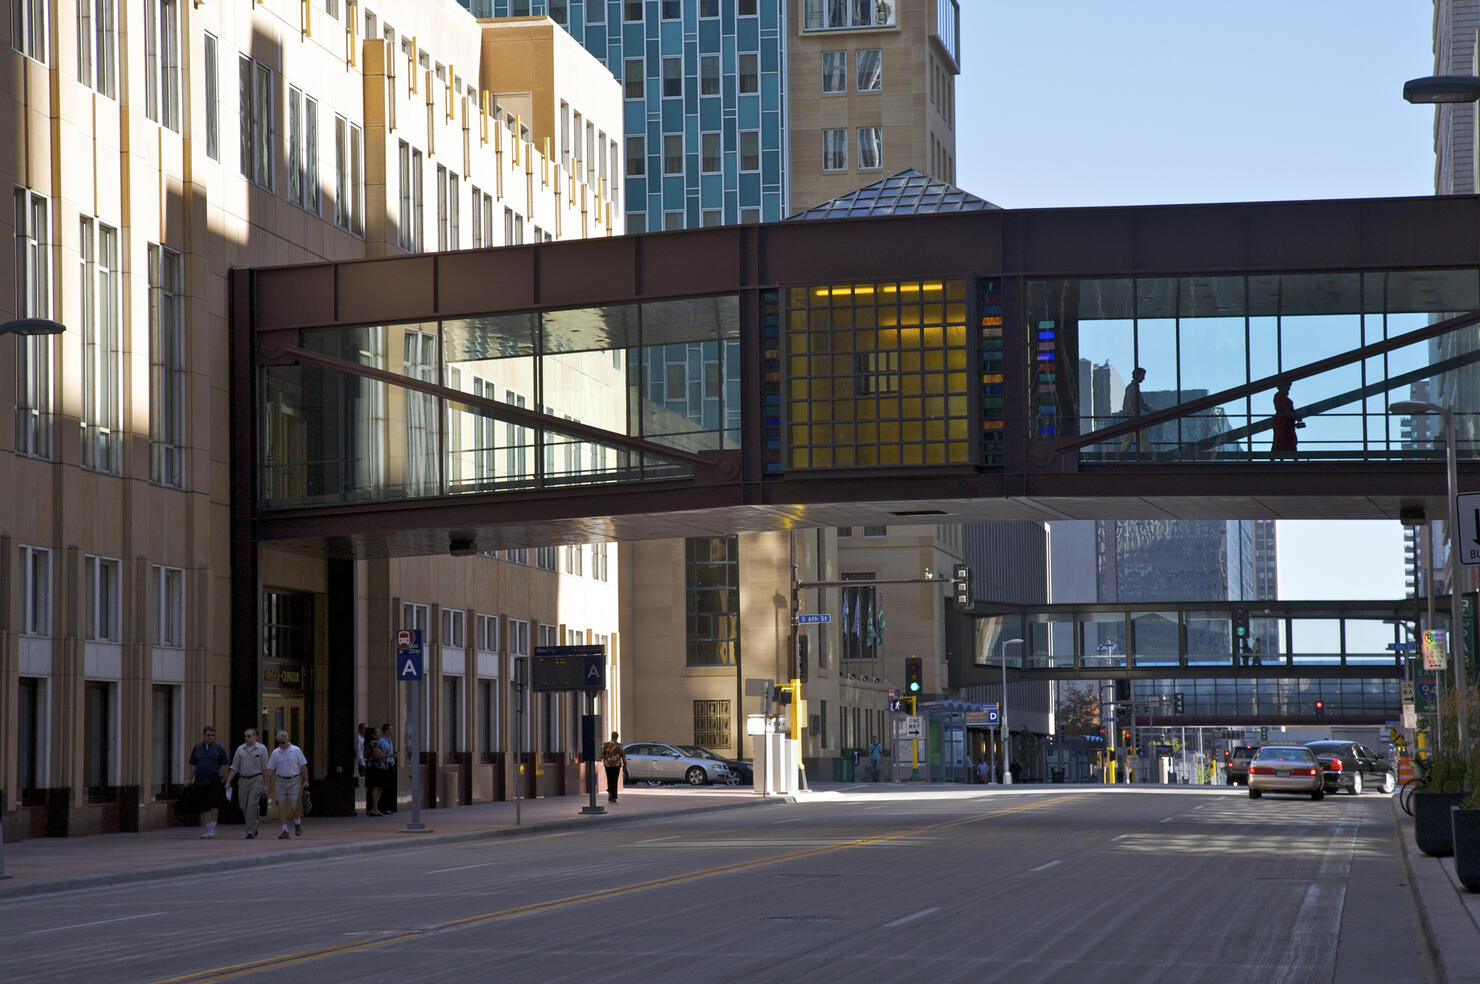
x=1451, y=465
x=1006, y=732
x=27, y=327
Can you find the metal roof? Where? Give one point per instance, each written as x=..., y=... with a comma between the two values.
x=907, y=193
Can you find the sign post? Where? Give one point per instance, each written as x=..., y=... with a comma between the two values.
x=558, y=669
x=410, y=666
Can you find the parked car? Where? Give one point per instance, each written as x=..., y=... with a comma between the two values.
x=656, y=763
x=741, y=773
x=1237, y=764
x=1286, y=769
x=1353, y=767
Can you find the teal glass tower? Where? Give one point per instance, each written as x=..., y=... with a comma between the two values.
x=704, y=89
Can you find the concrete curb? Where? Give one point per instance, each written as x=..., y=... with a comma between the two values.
x=10, y=890
x=1449, y=928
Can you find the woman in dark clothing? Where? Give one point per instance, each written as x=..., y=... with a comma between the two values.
x=1284, y=423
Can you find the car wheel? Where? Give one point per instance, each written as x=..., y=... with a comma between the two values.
x=1319, y=794
x=1255, y=794
x=732, y=780
x=1389, y=783
x=696, y=776
x=1356, y=789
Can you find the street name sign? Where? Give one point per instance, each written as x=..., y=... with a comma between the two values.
x=813, y=619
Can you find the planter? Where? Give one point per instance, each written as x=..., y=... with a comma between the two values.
x=1432, y=830
x=1466, y=828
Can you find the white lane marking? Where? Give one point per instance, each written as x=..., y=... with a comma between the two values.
x=790, y=820
x=1167, y=820
x=911, y=918
x=651, y=840
x=1041, y=867
x=464, y=867
x=1121, y=837
x=100, y=922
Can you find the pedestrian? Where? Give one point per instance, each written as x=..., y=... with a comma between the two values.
x=391, y=791
x=360, y=747
x=209, y=760
x=614, y=760
x=378, y=756
x=1016, y=771
x=1132, y=405
x=1284, y=423
x=287, y=775
x=982, y=771
x=875, y=755
x=248, y=771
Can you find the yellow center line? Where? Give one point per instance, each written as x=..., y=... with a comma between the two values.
x=319, y=953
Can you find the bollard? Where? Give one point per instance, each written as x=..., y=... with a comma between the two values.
x=3, y=875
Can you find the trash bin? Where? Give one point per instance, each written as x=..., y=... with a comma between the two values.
x=1056, y=773
x=845, y=766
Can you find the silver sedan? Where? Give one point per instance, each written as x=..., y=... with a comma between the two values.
x=1286, y=769
x=656, y=763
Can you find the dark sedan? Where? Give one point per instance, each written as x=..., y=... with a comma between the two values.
x=1353, y=767
x=741, y=773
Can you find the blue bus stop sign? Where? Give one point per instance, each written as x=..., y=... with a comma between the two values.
x=409, y=665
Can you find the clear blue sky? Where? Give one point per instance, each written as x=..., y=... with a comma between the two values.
x=1086, y=102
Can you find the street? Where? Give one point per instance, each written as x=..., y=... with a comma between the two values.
x=1034, y=883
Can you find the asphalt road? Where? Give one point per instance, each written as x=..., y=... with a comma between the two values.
x=878, y=884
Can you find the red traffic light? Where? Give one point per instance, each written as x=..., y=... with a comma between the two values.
x=1320, y=705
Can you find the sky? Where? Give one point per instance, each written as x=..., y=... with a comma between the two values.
x=1088, y=102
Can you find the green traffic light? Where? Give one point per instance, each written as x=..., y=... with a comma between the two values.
x=914, y=686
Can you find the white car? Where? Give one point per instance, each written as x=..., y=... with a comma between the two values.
x=656, y=763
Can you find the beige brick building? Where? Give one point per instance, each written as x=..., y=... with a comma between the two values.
x=155, y=146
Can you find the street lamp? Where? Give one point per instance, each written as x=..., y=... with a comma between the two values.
x=1442, y=89
x=1006, y=734
x=1410, y=408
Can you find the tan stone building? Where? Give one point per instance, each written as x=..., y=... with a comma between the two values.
x=155, y=146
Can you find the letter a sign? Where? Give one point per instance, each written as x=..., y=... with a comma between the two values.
x=408, y=654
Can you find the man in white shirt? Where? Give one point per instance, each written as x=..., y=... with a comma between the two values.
x=249, y=765
x=287, y=777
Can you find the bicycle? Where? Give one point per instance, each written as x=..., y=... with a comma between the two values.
x=1410, y=786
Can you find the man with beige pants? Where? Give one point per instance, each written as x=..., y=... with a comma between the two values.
x=249, y=764
x=287, y=777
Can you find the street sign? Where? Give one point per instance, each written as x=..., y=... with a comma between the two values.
x=813, y=619
x=912, y=726
x=561, y=668
x=1435, y=649
x=1467, y=508
x=408, y=654
x=1427, y=694
x=994, y=716
x=1405, y=691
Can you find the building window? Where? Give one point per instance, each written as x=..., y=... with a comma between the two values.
x=709, y=75
x=672, y=9
x=488, y=719
x=166, y=366
x=97, y=752
x=835, y=150
x=30, y=727
x=632, y=10
x=169, y=607
x=708, y=8
x=672, y=76
x=712, y=723
x=750, y=150
x=747, y=8
x=863, y=619
x=162, y=739
x=303, y=150
x=451, y=715
x=870, y=69
x=750, y=216
x=636, y=223
x=33, y=300
x=212, y=70
x=636, y=156
x=97, y=43
x=545, y=558
x=162, y=62
x=672, y=221
x=870, y=147
x=710, y=152
x=254, y=90
x=835, y=71
x=712, y=600
x=827, y=15
x=349, y=178
x=28, y=22
x=35, y=597
x=750, y=76
x=454, y=622
x=104, y=597
x=672, y=154
x=102, y=383
x=711, y=217
x=410, y=218
x=487, y=633
x=632, y=81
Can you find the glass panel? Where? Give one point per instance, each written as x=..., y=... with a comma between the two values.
x=1157, y=637
x=1104, y=638
x=1209, y=638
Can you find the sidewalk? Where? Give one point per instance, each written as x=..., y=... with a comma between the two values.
x=44, y=865
x=1449, y=915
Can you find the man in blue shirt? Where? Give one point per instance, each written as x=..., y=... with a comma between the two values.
x=210, y=762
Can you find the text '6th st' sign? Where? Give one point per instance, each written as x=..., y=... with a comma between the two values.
x=560, y=668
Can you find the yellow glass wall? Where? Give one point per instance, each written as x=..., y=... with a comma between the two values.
x=876, y=375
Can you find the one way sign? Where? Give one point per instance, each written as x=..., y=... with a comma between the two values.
x=1467, y=508
x=408, y=654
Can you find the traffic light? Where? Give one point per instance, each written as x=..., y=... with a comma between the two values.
x=961, y=580
x=1321, y=709
x=782, y=695
x=1177, y=703
x=914, y=676
x=1264, y=734
x=1240, y=629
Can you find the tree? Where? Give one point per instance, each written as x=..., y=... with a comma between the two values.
x=1078, y=712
